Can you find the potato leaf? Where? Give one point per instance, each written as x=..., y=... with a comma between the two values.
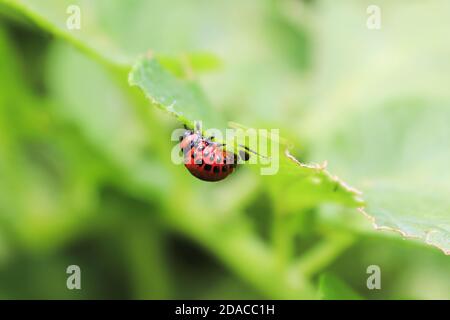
x=182, y=99
x=387, y=120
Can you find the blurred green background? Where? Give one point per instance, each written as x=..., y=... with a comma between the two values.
x=85, y=170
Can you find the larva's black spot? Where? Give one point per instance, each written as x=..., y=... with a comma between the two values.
x=235, y=160
x=207, y=167
x=216, y=169
x=244, y=155
x=224, y=169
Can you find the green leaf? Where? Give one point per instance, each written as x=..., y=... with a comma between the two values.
x=296, y=185
x=182, y=99
x=185, y=65
x=332, y=288
x=308, y=185
x=390, y=141
x=408, y=193
x=299, y=185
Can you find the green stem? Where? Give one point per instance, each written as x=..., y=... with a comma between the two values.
x=324, y=253
x=282, y=236
x=143, y=245
x=66, y=35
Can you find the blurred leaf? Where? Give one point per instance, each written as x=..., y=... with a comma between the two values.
x=332, y=288
x=108, y=29
x=52, y=16
x=100, y=105
x=288, y=23
x=47, y=187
